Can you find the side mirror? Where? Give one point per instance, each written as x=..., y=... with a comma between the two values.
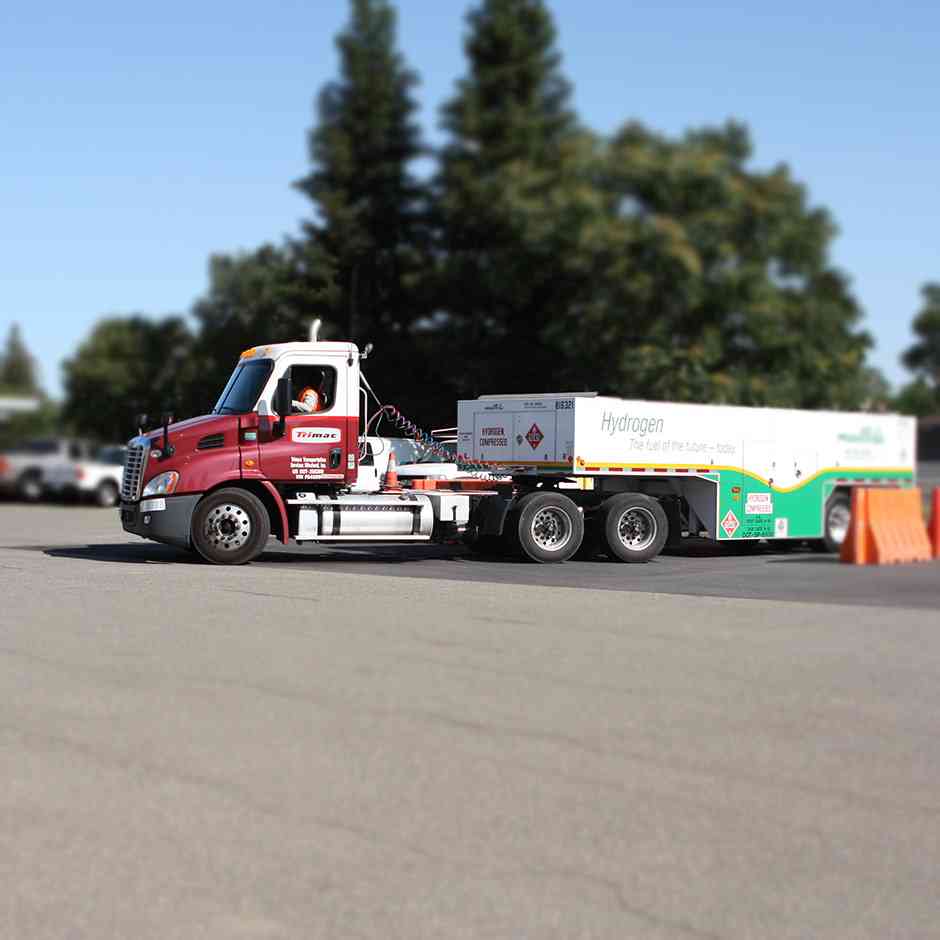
x=282, y=400
x=367, y=351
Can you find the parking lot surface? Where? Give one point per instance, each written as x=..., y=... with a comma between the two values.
x=423, y=744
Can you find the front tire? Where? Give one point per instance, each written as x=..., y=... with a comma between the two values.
x=548, y=527
x=633, y=526
x=230, y=527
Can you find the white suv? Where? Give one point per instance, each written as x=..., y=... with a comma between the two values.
x=98, y=476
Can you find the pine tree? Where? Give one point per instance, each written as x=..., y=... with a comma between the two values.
x=17, y=366
x=514, y=104
x=922, y=396
x=509, y=175
x=254, y=297
x=364, y=251
x=923, y=357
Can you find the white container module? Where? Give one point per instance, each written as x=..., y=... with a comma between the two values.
x=769, y=470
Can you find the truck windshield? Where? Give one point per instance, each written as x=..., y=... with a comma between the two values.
x=243, y=388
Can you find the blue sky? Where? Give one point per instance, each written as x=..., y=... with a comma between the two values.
x=136, y=139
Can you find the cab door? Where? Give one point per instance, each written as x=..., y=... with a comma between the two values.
x=313, y=446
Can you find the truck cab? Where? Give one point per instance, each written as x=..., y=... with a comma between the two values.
x=264, y=462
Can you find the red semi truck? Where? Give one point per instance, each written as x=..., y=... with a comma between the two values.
x=627, y=475
x=262, y=464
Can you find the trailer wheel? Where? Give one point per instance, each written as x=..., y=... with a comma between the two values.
x=634, y=527
x=547, y=527
x=836, y=522
x=230, y=527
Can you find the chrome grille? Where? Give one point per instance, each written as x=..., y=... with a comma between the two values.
x=134, y=465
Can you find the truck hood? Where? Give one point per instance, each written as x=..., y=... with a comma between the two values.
x=189, y=424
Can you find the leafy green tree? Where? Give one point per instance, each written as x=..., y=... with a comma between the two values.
x=253, y=298
x=366, y=248
x=709, y=281
x=127, y=366
x=17, y=366
x=917, y=398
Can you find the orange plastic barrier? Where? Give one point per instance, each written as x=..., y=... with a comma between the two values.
x=887, y=528
x=935, y=523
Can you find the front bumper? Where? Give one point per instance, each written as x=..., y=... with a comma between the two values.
x=170, y=525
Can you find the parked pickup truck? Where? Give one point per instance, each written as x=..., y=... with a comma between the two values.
x=23, y=466
x=97, y=477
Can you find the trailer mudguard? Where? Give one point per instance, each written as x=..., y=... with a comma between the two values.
x=490, y=515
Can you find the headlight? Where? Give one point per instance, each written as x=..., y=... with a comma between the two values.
x=162, y=485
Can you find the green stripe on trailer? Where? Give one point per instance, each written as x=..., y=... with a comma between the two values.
x=752, y=508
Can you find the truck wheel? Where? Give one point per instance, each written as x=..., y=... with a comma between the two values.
x=836, y=522
x=107, y=493
x=230, y=527
x=29, y=486
x=548, y=527
x=634, y=527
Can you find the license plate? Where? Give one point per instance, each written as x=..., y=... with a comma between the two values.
x=153, y=505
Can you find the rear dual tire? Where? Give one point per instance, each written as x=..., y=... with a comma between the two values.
x=632, y=527
x=546, y=527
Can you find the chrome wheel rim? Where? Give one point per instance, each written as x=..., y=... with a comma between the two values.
x=636, y=529
x=227, y=527
x=551, y=529
x=838, y=523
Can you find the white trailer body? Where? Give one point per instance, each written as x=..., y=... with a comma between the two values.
x=745, y=473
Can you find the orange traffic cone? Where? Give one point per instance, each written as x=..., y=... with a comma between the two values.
x=934, y=531
x=390, y=480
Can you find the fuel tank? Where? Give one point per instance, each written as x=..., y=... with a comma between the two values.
x=398, y=516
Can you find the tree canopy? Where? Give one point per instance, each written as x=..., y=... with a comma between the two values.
x=127, y=366
x=365, y=241
x=922, y=396
x=531, y=254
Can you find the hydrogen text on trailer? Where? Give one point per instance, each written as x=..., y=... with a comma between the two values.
x=626, y=424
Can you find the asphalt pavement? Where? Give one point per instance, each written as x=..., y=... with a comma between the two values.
x=418, y=743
